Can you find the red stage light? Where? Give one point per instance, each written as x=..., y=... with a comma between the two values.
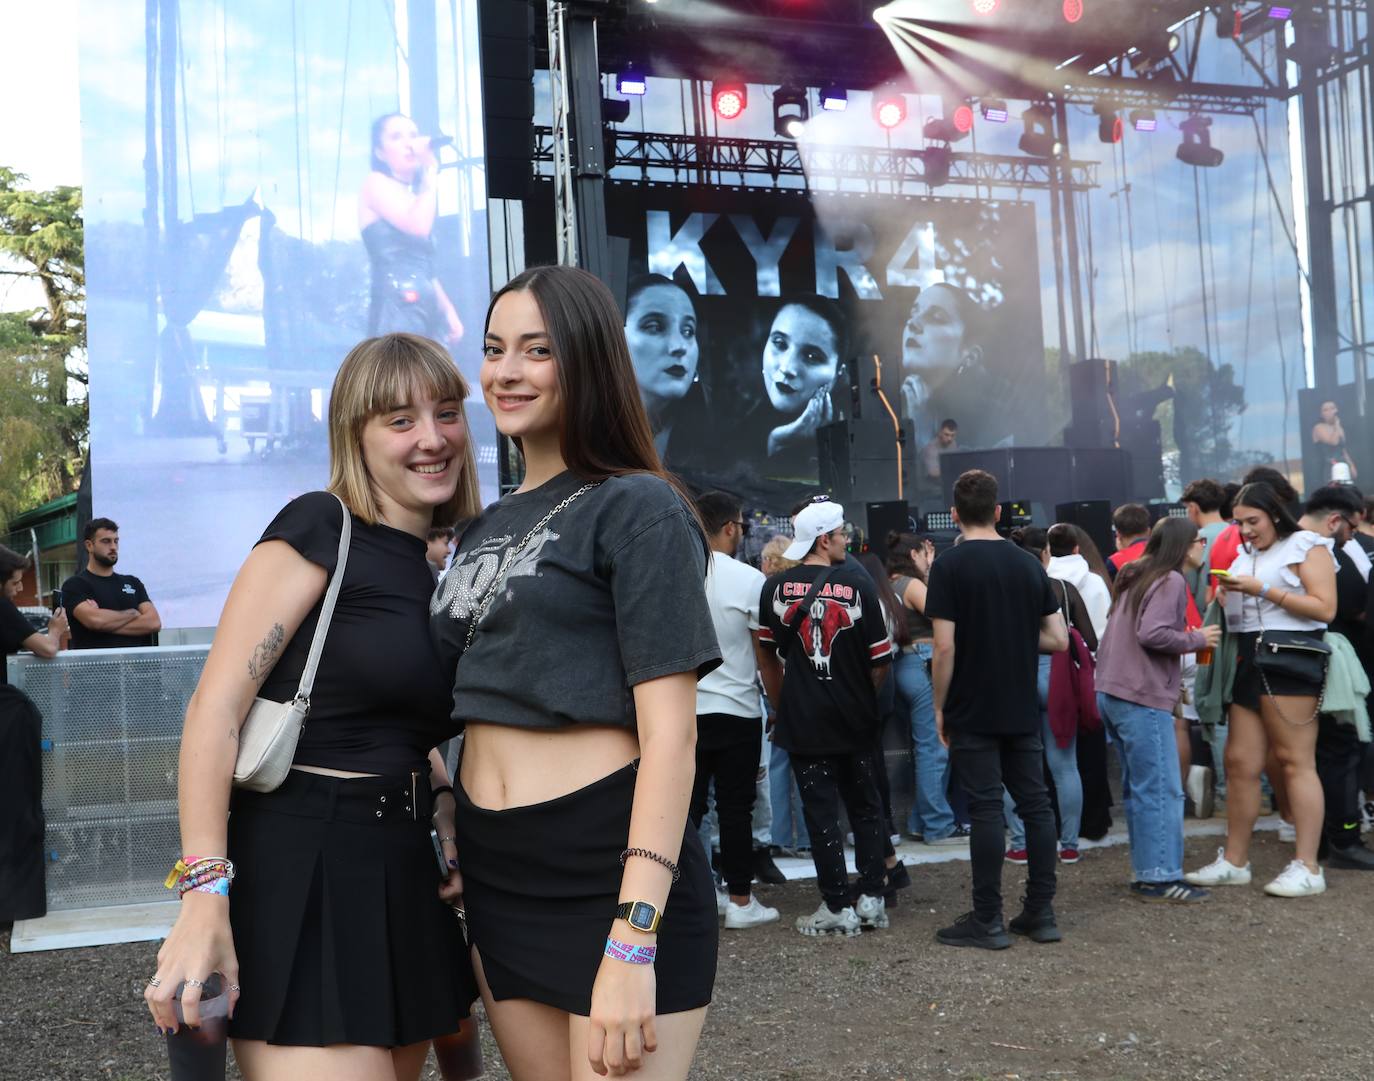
x=1073, y=10
x=963, y=118
x=729, y=99
x=890, y=111
x=984, y=8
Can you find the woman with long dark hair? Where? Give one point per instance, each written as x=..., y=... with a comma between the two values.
x=335, y=925
x=802, y=353
x=932, y=820
x=1283, y=579
x=664, y=336
x=1138, y=684
x=396, y=210
x=575, y=620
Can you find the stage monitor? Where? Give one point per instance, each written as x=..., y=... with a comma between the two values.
x=1094, y=517
x=882, y=518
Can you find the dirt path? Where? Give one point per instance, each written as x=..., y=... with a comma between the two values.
x=1244, y=987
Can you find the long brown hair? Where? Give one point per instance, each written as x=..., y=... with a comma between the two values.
x=605, y=430
x=892, y=604
x=1164, y=553
x=1087, y=548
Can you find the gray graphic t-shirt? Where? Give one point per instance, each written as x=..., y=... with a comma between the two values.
x=611, y=593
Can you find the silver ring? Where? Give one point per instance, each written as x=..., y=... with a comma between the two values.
x=154, y=982
x=235, y=988
x=195, y=983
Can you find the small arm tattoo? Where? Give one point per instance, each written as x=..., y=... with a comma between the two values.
x=265, y=653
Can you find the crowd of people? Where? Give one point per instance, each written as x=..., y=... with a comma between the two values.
x=617, y=686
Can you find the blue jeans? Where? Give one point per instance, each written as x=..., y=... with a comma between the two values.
x=1063, y=763
x=1152, y=791
x=785, y=801
x=930, y=816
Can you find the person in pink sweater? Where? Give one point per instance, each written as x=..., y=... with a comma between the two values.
x=1138, y=683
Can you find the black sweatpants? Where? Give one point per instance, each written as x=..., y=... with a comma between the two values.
x=824, y=781
x=728, y=751
x=985, y=764
x=1339, y=754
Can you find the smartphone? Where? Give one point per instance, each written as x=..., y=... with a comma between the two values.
x=58, y=601
x=444, y=868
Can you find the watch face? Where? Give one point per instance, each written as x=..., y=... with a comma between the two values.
x=642, y=916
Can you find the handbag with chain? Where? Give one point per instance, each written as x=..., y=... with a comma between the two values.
x=498, y=580
x=270, y=732
x=1291, y=654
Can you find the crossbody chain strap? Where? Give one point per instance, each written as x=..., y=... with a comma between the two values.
x=512, y=554
x=1264, y=679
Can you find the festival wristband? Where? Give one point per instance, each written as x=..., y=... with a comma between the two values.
x=631, y=955
x=219, y=886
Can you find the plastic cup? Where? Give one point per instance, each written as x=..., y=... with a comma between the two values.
x=198, y=1054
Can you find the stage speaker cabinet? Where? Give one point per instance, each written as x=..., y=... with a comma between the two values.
x=506, y=33
x=882, y=518
x=1101, y=473
x=1031, y=474
x=858, y=462
x=1094, y=517
x=1165, y=510
x=1091, y=383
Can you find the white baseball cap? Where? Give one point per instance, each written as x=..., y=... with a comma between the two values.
x=814, y=521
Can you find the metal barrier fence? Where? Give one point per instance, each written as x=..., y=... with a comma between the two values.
x=111, y=733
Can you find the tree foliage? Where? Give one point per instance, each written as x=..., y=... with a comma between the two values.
x=42, y=430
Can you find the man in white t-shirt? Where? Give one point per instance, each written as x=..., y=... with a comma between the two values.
x=729, y=724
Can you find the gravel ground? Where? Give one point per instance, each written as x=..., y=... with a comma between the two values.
x=1242, y=987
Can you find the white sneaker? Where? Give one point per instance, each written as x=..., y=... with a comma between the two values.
x=751, y=915
x=722, y=901
x=1288, y=833
x=1297, y=881
x=1199, y=789
x=824, y=922
x=1219, y=873
x=1366, y=813
x=872, y=911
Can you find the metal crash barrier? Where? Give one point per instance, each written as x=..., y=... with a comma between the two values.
x=111, y=734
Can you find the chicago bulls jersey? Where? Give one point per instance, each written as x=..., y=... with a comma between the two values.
x=829, y=648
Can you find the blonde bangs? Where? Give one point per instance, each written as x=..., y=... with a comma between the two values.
x=377, y=375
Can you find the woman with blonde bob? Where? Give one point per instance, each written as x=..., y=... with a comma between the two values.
x=336, y=925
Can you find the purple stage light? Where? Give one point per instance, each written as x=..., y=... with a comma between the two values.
x=1278, y=11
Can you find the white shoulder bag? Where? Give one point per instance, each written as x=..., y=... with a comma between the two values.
x=270, y=732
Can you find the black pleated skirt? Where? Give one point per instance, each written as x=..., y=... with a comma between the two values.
x=541, y=884
x=340, y=934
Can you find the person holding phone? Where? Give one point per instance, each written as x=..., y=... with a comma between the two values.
x=337, y=943
x=16, y=632
x=1283, y=579
x=1138, y=683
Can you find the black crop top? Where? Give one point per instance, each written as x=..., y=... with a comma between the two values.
x=610, y=594
x=381, y=701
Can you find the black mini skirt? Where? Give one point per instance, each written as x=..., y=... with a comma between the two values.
x=1248, y=688
x=340, y=933
x=541, y=884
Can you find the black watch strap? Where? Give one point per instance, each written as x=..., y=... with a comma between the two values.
x=640, y=915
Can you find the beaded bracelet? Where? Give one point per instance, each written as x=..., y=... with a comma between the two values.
x=196, y=870
x=218, y=886
x=630, y=954
x=644, y=853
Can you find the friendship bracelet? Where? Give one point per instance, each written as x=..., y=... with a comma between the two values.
x=218, y=886
x=631, y=955
x=190, y=882
x=645, y=854
x=194, y=867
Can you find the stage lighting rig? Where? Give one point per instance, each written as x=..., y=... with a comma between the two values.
x=615, y=110
x=995, y=110
x=1154, y=51
x=1038, y=140
x=1144, y=120
x=936, y=161
x=791, y=110
x=889, y=110
x=954, y=125
x=632, y=82
x=1197, y=149
x=834, y=98
x=1109, y=125
x=729, y=99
